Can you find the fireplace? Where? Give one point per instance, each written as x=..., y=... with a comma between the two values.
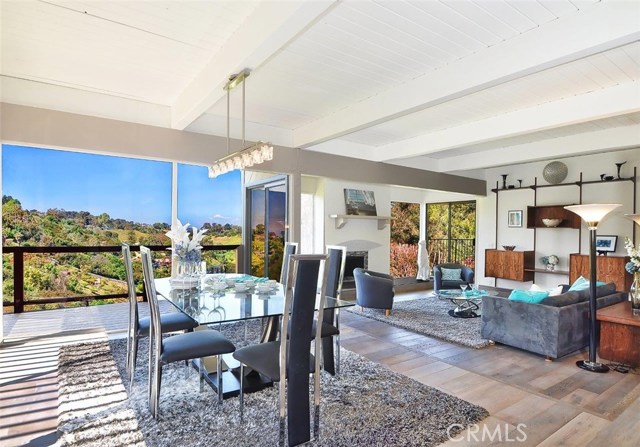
x=354, y=260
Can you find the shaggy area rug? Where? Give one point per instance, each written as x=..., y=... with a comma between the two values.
x=368, y=405
x=429, y=316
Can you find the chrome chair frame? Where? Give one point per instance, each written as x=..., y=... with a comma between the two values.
x=133, y=332
x=290, y=248
x=156, y=344
x=331, y=316
x=290, y=296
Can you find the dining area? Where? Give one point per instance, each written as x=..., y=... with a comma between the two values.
x=282, y=333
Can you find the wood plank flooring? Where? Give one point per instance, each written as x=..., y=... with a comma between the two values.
x=558, y=403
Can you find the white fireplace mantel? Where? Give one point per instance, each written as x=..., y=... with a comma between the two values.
x=342, y=219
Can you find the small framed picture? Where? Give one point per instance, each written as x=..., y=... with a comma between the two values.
x=606, y=244
x=514, y=219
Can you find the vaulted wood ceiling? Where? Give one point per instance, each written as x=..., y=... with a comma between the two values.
x=444, y=85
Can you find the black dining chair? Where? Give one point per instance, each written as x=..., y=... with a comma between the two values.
x=192, y=345
x=290, y=248
x=337, y=256
x=289, y=360
x=139, y=327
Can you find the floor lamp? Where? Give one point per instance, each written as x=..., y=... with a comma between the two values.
x=592, y=215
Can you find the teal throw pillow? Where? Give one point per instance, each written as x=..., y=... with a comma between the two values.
x=451, y=274
x=582, y=284
x=528, y=296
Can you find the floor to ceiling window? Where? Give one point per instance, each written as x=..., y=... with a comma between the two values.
x=267, y=221
x=216, y=205
x=451, y=232
x=405, y=234
x=60, y=208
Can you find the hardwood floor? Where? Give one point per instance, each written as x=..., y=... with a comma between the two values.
x=558, y=403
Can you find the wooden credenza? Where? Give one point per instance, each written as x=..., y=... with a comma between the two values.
x=514, y=265
x=619, y=334
x=610, y=269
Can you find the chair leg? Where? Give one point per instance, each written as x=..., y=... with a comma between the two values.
x=156, y=392
x=220, y=390
x=133, y=358
x=241, y=392
x=282, y=403
x=337, y=355
x=201, y=374
x=150, y=373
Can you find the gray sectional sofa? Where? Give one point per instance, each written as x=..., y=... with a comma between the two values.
x=556, y=327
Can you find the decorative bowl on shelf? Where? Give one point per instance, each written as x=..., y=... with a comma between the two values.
x=551, y=223
x=509, y=247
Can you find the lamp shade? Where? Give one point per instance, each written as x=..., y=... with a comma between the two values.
x=634, y=217
x=594, y=212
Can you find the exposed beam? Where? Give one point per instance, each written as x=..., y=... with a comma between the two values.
x=599, y=28
x=613, y=139
x=618, y=100
x=264, y=33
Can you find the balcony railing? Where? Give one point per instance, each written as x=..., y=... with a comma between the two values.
x=19, y=302
x=460, y=251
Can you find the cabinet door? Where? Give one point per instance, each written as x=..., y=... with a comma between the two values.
x=493, y=263
x=513, y=265
x=609, y=269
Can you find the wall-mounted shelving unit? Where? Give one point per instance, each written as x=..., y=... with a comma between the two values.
x=536, y=213
x=342, y=219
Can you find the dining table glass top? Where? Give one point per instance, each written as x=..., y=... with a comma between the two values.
x=209, y=301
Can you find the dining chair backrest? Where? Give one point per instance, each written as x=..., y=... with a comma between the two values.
x=290, y=248
x=131, y=288
x=337, y=256
x=155, y=335
x=299, y=309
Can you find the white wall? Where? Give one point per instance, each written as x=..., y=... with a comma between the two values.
x=358, y=235
x=564, y=241
x=364, y=234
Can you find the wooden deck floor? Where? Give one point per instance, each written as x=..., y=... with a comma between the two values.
x=558, y=403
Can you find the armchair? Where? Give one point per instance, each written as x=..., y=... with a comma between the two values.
x=374, y=289
x=467, y=276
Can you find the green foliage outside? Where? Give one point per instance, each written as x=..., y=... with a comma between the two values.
x=79, y=274
x=405, y=235
x=276, y=250
x=451, y=232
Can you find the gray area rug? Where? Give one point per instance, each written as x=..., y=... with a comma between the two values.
x=368, y=405
x=429, y=316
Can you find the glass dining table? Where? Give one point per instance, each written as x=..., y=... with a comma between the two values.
x=207, y=303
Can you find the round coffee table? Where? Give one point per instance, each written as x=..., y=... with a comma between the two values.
x=467, y=303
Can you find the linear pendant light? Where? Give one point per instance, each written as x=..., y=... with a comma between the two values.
x=247, y=157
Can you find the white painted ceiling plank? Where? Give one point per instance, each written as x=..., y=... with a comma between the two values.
x=559, y=8
x=507, y=13
x=482, y=18
x=423, y=22
x=534, y=11
x=576, y=144
x=390, y=42
x=458, y=21
x=528, y=53
x=266, y=31
x=425, y=33
x=613, y=101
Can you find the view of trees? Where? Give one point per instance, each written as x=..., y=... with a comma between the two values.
x=405, y=235
x=451, y=232
x=78, y=274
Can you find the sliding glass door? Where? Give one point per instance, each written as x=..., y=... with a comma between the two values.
x=267, y=220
